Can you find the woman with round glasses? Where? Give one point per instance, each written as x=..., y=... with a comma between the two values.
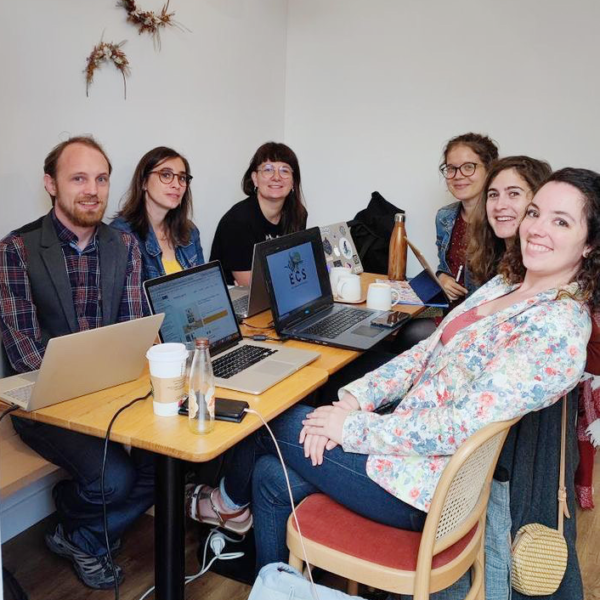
x=467, y=159
x=157, y=209
x=274, y=207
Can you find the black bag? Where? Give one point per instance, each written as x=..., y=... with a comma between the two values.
x=371, y=231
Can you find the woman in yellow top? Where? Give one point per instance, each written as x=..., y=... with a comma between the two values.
x=157, y=210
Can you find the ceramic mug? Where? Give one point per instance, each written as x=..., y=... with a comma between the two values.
x=335, y=274
x=348, y=288
x=381, y=296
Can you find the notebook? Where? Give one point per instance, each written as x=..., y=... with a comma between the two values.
x=301, y=299
x=250, y=300
x=339, y=247
x=84, y=362
x=196, y=303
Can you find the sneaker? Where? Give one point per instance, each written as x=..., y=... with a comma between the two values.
x=94, y=571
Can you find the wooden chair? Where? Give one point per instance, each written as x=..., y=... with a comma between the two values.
x=407, y=562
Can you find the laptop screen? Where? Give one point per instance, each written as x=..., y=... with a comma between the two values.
x=196, y=304
x=294, y=278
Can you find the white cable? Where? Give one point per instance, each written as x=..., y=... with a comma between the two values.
x=313, y=587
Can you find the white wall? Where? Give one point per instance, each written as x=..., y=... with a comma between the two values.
x=374, y=89
x=214, y=93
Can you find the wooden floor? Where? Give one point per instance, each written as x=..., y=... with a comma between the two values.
x=47, y=577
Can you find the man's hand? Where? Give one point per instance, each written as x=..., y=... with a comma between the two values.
x=453, y=290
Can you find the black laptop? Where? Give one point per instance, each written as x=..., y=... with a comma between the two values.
x=301, y=300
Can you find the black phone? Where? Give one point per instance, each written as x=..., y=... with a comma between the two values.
x=225, y=409
x=390, y=319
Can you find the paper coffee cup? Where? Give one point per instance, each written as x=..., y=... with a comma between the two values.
x=167, y=374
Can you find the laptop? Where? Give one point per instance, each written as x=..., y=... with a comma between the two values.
x=301, y=299
x=196, y=303
x=253, y=299
x=426, y=285
x=339, y=247
x=81, y=363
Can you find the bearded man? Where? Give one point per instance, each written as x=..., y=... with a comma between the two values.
x=63, y=273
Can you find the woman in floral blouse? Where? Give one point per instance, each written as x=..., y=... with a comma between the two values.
x=516, y=345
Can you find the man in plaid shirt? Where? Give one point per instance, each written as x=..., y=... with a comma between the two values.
x=63, y=273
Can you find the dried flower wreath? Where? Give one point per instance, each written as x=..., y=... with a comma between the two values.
x=148, y=20
x=104, y=52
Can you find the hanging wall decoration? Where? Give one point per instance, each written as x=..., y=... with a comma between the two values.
x=147, y=20
x=107, y=52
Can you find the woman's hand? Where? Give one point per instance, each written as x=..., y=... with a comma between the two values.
x=327, y=421
x=315, y=446
x=453, y=290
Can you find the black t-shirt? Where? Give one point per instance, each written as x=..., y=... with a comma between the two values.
x=239, y=229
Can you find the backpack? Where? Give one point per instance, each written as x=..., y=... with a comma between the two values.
x=371, y=231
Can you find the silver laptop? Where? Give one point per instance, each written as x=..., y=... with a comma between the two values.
x=339, y=247
x=84, y=362
x=253, y=299
x=196, y=304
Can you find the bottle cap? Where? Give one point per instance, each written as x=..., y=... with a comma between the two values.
x=202, y=343
x=399, y=218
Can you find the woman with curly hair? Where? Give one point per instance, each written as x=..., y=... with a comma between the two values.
x=515, y=346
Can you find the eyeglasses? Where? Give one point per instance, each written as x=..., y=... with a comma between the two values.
x=270, y=170
x=166, y=177
x=467, y=169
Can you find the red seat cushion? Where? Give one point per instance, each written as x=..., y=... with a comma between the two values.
x=326, y=522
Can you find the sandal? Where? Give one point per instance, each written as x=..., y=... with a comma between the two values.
x=195, y=493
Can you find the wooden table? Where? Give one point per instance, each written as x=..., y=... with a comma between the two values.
x=172, y=442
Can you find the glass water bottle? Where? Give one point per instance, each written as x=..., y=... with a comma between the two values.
x=201, y=403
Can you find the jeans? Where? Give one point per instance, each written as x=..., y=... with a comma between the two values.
x=255, y=475
x=128, y=482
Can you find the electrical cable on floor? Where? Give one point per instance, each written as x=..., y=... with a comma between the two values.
x=102, y=472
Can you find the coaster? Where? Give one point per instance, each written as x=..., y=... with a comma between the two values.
x=361, y=300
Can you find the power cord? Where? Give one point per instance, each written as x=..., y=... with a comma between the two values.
x=313, y=587
x=10, y=409
x=217, y=541
x=102, y=472
x=266, y=338
x=269, y=325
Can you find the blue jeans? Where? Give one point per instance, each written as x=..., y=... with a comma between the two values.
x=255, y=475
x=128, y=482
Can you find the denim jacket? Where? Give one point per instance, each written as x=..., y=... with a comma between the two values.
x=444, y=224
x=187, y=256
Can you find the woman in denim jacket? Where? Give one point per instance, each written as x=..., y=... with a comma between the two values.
x=467, y=159
x=158, y=210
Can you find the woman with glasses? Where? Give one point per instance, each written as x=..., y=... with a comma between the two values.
x=157, y=209
x=467, y=159
x=274, y=207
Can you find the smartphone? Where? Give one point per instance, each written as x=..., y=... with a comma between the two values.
x=391, y=319
x=225, y=409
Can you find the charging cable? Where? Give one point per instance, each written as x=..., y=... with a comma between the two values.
x=269, y=325
x=266, y=338
x=313, y=587
x=10, y=409
x=102, y=473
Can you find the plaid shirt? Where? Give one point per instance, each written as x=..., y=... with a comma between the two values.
x=19, y=325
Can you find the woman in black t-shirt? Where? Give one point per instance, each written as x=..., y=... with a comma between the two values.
x=274, y=207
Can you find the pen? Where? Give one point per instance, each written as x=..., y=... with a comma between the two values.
x=460, y=270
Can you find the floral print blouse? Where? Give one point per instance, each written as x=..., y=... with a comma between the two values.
x=520, y=359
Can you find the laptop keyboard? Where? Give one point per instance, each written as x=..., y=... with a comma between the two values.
x=241, y=358
x=20, y=395
x=331, y=326
x=240, y=306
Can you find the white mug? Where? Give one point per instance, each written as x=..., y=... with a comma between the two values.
x=348, y=288
x=335, y=274
x=380, y=296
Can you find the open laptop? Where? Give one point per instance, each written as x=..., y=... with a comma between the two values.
x=339, y=247
x=301, y=299
x=81, y=363
x=196, y=304
x=253, y=299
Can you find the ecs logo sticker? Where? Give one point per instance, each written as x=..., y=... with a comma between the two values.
x=297, y=273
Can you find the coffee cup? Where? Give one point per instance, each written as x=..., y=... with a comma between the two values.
x=335, y=274
x=380, y=296
x=167, y=374
x=348, y=288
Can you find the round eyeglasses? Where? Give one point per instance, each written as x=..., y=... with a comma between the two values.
x=467, y=169
x=270, y=170
x=166, y=177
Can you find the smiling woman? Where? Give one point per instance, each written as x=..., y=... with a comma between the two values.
x=158, y=210
x=274, y=207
